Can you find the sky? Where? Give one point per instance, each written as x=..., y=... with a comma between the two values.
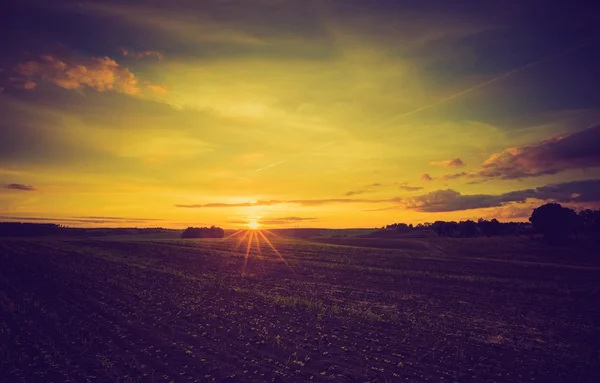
x=296, y=113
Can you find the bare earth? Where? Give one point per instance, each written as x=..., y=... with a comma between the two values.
x=184, y=311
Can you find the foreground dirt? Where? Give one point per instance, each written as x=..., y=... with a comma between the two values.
x=198, y=311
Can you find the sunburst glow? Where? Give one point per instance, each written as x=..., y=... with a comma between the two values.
x=254, y=225
x=255, y=237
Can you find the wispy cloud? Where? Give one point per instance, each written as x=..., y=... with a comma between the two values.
x=486, y=83
x=78, y=220
x=452, y=176
x=302, y=202
x=406, y=187
x=127, y=52
x=366, y=189
x=452, y=163
x=20, y=187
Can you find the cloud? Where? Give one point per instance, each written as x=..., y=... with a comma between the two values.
x=354, y=192
x=452, y=163
x=367, y=189
x=159, y=89
x=452, y=200
x=20, y=187
x=76, y=220
x=142, y=54
x=452, y=176
x=511, y=211
x=404, y=186
x=577, y=150
x=302, y=202
x=285, y=220
x=275, y=220
x=241, y=204
x=29, y=85
x=445, y=177
x=99, y=73
x=118, y=218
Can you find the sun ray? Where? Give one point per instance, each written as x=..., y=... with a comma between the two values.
x=233, y=235
x=274, y=249
x=239, y=243
x=259, y=250
x=248, y=248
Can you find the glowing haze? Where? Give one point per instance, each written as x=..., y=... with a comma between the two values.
x=266, y=113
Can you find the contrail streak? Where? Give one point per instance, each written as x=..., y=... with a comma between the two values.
x=485, y=83
x=451, y=97
x=270, y=166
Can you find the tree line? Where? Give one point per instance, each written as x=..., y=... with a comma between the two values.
x=467, y=229
x=203, y=232
x=557, y=224
x=24, y=229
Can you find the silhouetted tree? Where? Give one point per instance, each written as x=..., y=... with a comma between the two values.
x=590, y=223
x=553, y=221
x=467, y=229
x=203, y=232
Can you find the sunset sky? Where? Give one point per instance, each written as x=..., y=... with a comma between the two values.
x=297, y=113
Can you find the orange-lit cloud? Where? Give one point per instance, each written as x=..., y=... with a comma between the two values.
x=159, y=89
x=99, y=73
x=452, y=163
x=29, y=85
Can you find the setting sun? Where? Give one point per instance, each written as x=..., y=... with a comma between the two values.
x=254, y=225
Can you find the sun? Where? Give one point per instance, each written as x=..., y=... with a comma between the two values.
x=253, y=225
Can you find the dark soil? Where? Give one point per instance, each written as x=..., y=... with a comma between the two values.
x=190, y=311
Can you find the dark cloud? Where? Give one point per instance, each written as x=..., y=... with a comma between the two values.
x=20, y=187
x=577, y=150
x=452, y=163
x=426, y=177
x=451, y=200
